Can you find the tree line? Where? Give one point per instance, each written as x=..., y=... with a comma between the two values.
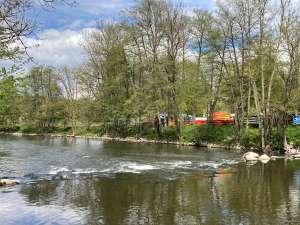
x=243, y=58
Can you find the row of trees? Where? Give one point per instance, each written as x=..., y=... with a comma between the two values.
x=44, y=99
x=243, y=58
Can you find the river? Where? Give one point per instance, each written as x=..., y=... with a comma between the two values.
x=77, y=181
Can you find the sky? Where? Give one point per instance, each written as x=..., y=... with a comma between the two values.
x=58, y=36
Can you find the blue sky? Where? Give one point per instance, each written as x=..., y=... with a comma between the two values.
x=86, y=12
x=58, y=37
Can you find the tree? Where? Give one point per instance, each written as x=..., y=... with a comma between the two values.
x=15, y=25
x=70, y=88
x=175, y=41
x=290, y=45
x=9, y=95
x=41, y=98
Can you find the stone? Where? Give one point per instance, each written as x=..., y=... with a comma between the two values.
x=297, y=156
x=251, y=156
x=6, y=182
x=289, y=149
x=264, y=158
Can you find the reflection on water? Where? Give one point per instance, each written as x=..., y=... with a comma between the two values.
x=231, y=194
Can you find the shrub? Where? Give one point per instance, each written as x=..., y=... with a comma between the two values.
x=214, y=134
x=251, y=139
x=28, y=128
x=10, y=129
x=293, y=134
x=169, y=134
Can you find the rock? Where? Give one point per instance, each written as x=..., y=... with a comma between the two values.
x=5, y=182
x=289, y=149
x=251, y=156
x=264, y=158
x=297, y=156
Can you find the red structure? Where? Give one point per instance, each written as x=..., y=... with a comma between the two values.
x=219, y=118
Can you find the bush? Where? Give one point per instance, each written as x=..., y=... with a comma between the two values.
x=189, y=133
x=293, y=134
x=251, y=139
x=96, y=131
x=277, y=141
x=63, y=130
x=10, y=129
x=28, y=128
x=214, y=134
x=169, y=134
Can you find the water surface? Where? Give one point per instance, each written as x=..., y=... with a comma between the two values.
x=68, y=181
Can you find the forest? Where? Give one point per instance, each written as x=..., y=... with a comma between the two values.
x=243, y=57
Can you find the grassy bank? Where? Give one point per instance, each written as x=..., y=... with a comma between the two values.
x=221, y=135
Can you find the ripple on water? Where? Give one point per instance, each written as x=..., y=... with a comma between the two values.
x=170, y=167
x=55, y=170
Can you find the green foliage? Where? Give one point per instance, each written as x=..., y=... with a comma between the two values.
x=293, y=135
x=277, y=143
x=9, y=96
x=137, y=69
x=169, y=134
x=251, y=139
x=42, y=103
x=29, y=129
x=190, y=133
x=10, y=129
x=215, y=134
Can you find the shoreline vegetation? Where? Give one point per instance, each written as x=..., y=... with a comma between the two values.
x=192, y=135
x=161, y=63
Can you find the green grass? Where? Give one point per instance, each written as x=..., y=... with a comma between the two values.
x=293, y=134
x=212, y=134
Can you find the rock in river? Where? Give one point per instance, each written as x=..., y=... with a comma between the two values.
x=4, y=182
x=264, y=158
x=251, y=156
x=297, y=156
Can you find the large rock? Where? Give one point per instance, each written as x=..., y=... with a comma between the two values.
x=5, y=182
x=251, y=156
x=264, y=158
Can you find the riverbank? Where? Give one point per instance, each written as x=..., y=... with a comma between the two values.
x=192, y=135
x=127, y=139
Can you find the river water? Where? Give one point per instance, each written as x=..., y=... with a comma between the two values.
x=68, y=181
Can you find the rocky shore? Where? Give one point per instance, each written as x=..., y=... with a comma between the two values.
x=132, y=140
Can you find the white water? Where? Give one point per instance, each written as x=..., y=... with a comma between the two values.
x=37, y=157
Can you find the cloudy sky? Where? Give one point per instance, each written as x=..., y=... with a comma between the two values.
x=58, y=37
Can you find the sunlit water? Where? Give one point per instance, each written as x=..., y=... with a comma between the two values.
x=68, y=181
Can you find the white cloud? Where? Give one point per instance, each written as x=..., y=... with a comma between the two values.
x=58, y=47
x=97, y=7
x=63, y=44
